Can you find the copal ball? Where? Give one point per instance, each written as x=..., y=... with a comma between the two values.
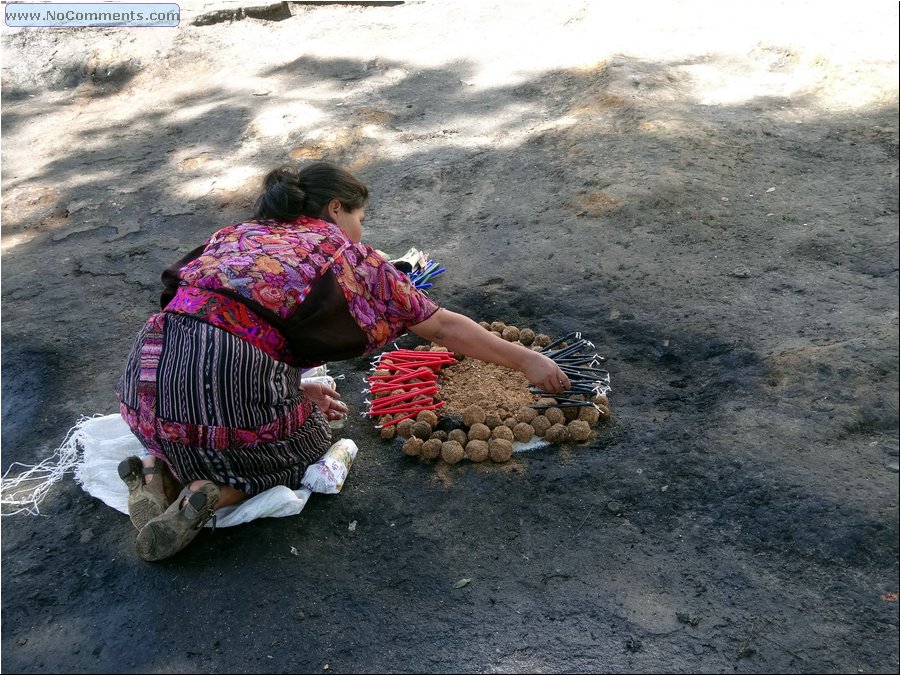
x=589, y=414
x=570, y=413
x=579, y=430
x=404, y=428
x=558, y=433
x=479, y=432
x=421, y=430
x=413, y=446
x=604, y=413
x=498, y=326
x=477, y=451
x=431, y=448
x=427, y=416
x=439, y=434
x=523, y=432
x=540, y=425
x=388, y=433
x=492, y=421
x=526, y=336
x=526, y=415
x=500, y=450
x=473, y=415
x=452, y=452
x=555, y=415
x=458, y=435
x=510, y=333
x=503, y=432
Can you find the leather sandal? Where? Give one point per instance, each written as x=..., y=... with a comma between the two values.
x=147, y=500
x=168, y=533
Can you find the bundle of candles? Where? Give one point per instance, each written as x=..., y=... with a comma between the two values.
x=572, y=354
x=404, y=383
x=419, y=268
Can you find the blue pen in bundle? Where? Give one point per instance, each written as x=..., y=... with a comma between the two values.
x=422, y=278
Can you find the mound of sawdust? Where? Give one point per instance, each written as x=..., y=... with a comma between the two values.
x=495, y=389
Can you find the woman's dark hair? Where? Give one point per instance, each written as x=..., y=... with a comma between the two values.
x=291, y=192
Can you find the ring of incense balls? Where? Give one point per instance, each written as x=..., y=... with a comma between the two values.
x=485, y=435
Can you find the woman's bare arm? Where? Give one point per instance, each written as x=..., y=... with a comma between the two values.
x=460, y=334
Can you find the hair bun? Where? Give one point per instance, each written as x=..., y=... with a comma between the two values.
x=287, y=175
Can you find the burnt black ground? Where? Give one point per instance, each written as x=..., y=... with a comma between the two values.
x=735, y=261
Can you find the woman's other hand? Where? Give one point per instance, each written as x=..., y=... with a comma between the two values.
x=325, y=399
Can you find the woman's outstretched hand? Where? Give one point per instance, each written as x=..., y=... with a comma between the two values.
x=325, y=399
x=543, y=372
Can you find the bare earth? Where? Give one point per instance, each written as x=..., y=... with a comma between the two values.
x=707, y=190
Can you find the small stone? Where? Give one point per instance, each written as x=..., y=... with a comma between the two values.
x=614, y=507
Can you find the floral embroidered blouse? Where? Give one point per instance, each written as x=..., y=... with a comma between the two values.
x=300, y=291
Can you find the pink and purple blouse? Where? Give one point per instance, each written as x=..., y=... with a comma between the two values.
x=300, y=291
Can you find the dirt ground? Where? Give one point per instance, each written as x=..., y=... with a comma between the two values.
x=708, y=191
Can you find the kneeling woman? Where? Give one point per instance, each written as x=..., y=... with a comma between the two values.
x=212, y=386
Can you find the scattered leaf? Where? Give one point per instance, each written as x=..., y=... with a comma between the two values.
x=771, y=189
x=461, y=583
x=352, y=526
x=294, y=551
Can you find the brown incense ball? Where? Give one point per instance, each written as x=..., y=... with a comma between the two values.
x=579, y=430
x=421, y=430
x=570, y=413
x=439, y=348
x=523, y=432
x=546, y=400
x=422, y=348
x=477, y=451
x=541, y=340
x=558, y=433
x=589, y=414
x=510, y=422
x=526, y=336
x=381, y=372
x=492, y=421
x=503, y=432
x=600, y=399
x=500, y=450
x=526, y=415
x=452, y=452
x=510, y=333
x=479, y=432
x=404, y=428
x=473, y=415
x=485, y=325
x=388, y=433
x=413, y=446
x=439, y=434
x=497, y=333
x=555, y=415
x=431, y=448
x=604, y=413
x=459, y=436
x=540, y=425
x=498, y=326
x=427, y=416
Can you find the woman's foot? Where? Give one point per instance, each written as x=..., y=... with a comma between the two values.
x=168, y=533
x=151, y=488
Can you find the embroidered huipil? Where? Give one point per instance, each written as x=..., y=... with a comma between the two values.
x=301, y=291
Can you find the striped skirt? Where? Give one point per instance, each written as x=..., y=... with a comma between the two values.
x=216, y=408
